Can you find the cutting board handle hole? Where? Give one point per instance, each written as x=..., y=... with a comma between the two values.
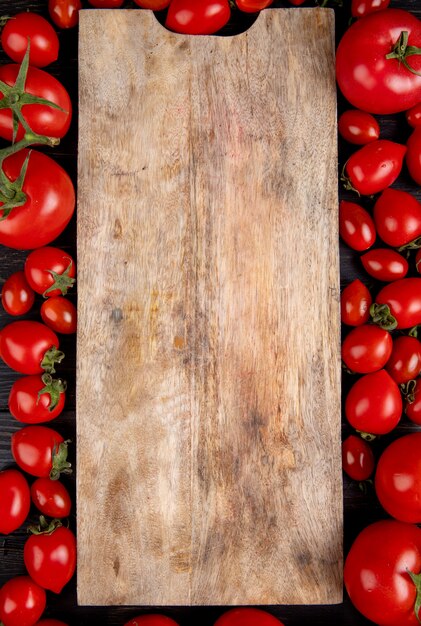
x=241, y=25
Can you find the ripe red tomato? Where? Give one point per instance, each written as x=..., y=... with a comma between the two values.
x=397, y=216
x=60, y=315
x=106, y=4
x=360, y=8
x=41, y=118
x=36, y=399
x=155, y=5
x=151, y=620
x=374, y=404
x=17, y=297
x=413, y=406
x=385, y=264
x=367, y=349
x=247, y=617
x=356, y=226
x=40, y=451
x=398, y=479
x=253, y=6
x=357, y=458
x=374, y=167
x=43, y=38
x=376, y=572
x=413, y=116
x=22, y=602
x=50, y=271
x=15, y=500
x=64, y=13
x=51, y=498
x=29, y=347
x=413, y=155
x=405, y=361
x=403, y=299
x=197, y=18
x=367, y=78
x=358, y=127
x=355, y=304
x=50, y=201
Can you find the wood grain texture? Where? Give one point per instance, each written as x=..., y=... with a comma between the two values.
x=208, y=394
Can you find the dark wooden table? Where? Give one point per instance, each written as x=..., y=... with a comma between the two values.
x=360, y=509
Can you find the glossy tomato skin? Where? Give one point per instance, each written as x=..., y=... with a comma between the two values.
x=413, y=116
x=397, y=216
x=355, y=304
x=413, y=409
x=405, y=361
x=14, y=500
x=357, y=458
x=247, y=617
x=43, y=38
x=375, y=572
x=404, y=300
x=28, y=405
x=64, y=13
x=154, y=5
x=253, y=6
x=60, y=315
x=51, y=498
x=385, y=264
x=50, y=202
x=17, y=297
x=22, y=602
x=42, y=119
x=153, y=619
x=51, y=558
x=33, y=448
x=358, y=127
x=366, y=78
x=39, y=266
x=374, y=404
x=375, y=166
x=197, y=18
x=360, y=8
x=367, y=349
x=356, y=226
x=23, y=345
x=413, y=155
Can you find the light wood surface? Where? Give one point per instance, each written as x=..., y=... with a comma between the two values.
x=208, y=369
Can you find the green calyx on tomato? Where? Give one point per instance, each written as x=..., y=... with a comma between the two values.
x=408, y=390
x=51, y=357
x=11, y=192
x=53, y=387
x=416, y=579
x=402, y=51
x=44, y=527
x=381, y=315
x=412, y=245
x=63, y=281
x=60, y=464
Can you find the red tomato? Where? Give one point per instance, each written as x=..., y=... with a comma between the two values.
x=356, y=226
x=413, y=155
x=360, y=8
x=403, y=300
x=151, y=620
x=64, y=13
x=15, y=500
x=297, y=3
x=29, y=347
x=247, y=617
x=252, y=6
x=41, y=118
x=357, y=458
x=50, y=556
x=385, y=264
x=413, y=116
x=50, y=622
x=51, y=498
x=376, y=572
x=413, y=407
x=374, y=404
x=355, y=304
x=398, y=479
x=405, y=361
x=374, y=167
x=367, y=78
x=366, y=349
x=397, y=216
x=17, y=297
x=40, y=451
x=50, y=201
x=50, y=271
x=22, y=602
x=358, y=127
x=36, y=399
x=43, y=38
x=197, y=18
x=155, y=5
x=60, y=315
x=106, y=4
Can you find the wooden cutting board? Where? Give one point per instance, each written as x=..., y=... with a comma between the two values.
x=208, y=361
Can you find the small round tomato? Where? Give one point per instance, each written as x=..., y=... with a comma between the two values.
x=413, y=403
x=385, y=264
x=15, y=500
x=413, y=116
x=64, y=13
x=153, y=619
x=374, y=404
x=247, y=617
x=154, y=5
x=60, y=315
x=51, y=498
x=360, y=8
x=40, y=451
x=357, y=458
x=397, y=216
x=355, y=304
x=413, y=155
x=106, y=4
x=366, y=349
x=197, y=18
x=17, y=297
x=405, y=361
x=36, y=399
x=253, y=6
x=50, y=271
x=403, y=300
x=22, y=602
x=356, y=226
x=33, y=27
x=374, y=167
x=29, y=347
x=358, y=127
